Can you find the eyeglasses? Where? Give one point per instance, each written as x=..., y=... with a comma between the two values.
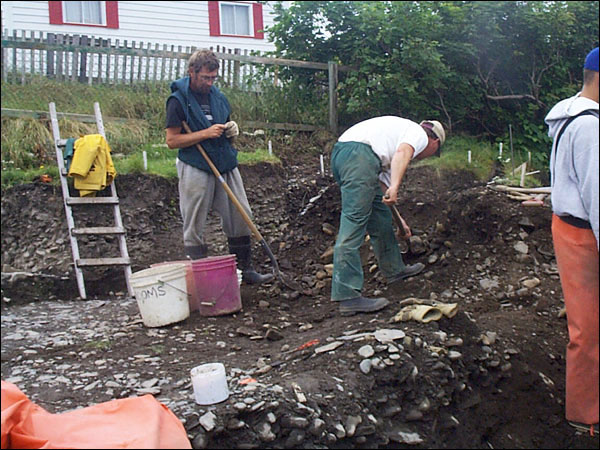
x=208, y=78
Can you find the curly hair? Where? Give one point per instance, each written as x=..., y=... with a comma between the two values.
x=203, y=58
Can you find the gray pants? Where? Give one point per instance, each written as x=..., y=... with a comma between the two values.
x=199, y=192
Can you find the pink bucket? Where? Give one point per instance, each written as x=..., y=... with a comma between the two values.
x=216, y=286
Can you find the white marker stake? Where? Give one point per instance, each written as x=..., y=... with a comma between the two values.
x=270, y=148
x=145, y=160
x=322, y=166
x=469, y=156
x=500, y=152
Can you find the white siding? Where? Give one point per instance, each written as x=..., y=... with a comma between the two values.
x=176, y=23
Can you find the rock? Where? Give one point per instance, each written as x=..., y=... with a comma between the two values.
x=317, y=427
x=365, y=366
x=526, y=223
x=200, y=440
x=531, y=282
x=235, y=424
x=521, y=247
x=328, y=347
x=366, y=351
x=387, y=335
x=414, y=414
x=273, y=335
x=489, y=337
x=404, y=437
x=208, y=421
x=328, y=229
x=339, y=430
x=294, y=422
x=488, y=284
x=327, y=256
x=295, y=438
x=416, y=245
x=264, y=432
x=351, y=424
x=454, y=355
x=425, y=405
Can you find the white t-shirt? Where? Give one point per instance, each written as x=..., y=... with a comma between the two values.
x=385, y=134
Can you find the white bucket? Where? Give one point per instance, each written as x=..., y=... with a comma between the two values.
x=210, y=383
x=161, y=294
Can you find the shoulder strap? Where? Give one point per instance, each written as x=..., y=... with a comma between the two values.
x=587, y=112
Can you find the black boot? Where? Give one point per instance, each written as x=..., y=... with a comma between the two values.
x=241, y=247
x=195, y=251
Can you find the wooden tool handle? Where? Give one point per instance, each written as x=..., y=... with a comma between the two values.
x=230, y=193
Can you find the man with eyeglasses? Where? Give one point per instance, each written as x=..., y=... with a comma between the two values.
x=372, y=153
x=195, y=100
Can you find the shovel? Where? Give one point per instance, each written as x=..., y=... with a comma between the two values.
x=398, y=220
x=276, y=272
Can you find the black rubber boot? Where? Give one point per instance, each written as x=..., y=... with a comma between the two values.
x=409, y=271
x=362, y=305
x=241, y=247
x=195, y=251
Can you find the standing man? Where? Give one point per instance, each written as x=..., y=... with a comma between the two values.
x=207, y=112
x=371, y=151
x=573, y=124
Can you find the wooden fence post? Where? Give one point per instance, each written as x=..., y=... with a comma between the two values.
x=75, y=59
x=333, y=82
x=236, y=70
x=51, y=39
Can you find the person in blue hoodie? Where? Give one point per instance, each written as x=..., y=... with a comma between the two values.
x=195, y=100
x=573, y=125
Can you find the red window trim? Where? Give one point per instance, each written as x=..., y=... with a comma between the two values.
x=214, y=21
x=55, y=12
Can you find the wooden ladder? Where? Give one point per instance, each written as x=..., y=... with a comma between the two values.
x=71, y=202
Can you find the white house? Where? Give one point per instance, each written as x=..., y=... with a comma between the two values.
x=230, y=24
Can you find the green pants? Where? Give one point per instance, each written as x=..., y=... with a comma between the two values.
x=356, y=169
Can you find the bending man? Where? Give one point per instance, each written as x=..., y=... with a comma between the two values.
x=378, y=149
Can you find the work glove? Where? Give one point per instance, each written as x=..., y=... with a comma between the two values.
x=231, y=129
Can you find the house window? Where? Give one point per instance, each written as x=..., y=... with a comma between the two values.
x=235, y=19
x=239, y=19
x=86, y=13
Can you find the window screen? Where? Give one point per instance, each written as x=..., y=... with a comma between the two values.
x=235, y=19
x=83, y=12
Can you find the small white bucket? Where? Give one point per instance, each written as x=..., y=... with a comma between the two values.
x=161, y=294
x=210, y=383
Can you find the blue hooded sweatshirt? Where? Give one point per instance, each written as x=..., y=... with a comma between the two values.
x=220, y=151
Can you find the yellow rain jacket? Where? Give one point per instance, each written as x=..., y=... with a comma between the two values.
x=92, y=167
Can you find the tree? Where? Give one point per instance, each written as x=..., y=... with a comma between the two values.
x=475, y=66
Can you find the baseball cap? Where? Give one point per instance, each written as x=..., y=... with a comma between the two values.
x=591, y=60
x=437, y=129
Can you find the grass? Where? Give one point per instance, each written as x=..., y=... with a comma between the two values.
x=455, y=156
x=484, y=161
x=27, y=149
x=27, y=142
x=160, y=161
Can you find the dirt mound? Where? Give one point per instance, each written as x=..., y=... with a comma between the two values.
x=300, y=375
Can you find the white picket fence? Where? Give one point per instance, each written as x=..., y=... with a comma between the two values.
x=97, y=60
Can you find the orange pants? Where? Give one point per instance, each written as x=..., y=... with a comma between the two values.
x=577, y=260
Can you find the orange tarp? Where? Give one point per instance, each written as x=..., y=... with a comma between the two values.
x=137, y=422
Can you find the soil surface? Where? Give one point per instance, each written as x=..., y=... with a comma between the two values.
x=299, y=374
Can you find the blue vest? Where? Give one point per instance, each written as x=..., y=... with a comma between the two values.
x=219, y=150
